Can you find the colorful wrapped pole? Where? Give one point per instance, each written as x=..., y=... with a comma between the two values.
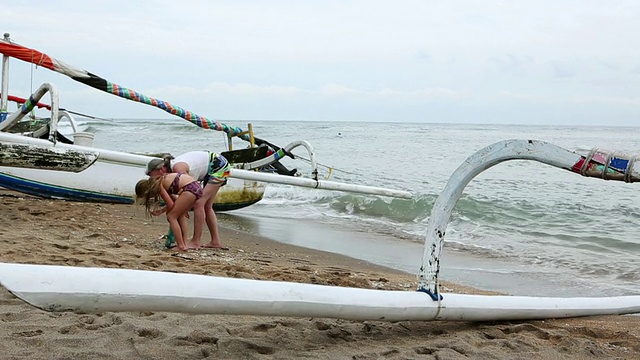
x=608, y=165
x=14, y=50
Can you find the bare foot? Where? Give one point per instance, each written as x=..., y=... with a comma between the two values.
x=191, y=246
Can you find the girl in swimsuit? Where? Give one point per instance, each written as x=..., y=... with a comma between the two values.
x=179, y=192
x=210, y=168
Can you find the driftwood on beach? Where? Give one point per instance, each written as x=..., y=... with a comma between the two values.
x=45, y=158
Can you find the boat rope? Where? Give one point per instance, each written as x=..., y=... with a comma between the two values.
x=331, y=170
x=607, y=165
x=88, y=116
x=40, y=105
x=31, y=78
x=628, y=178
x=586, y=162
x=607, y=162
x=329, y=173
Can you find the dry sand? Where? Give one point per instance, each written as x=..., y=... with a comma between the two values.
x=103, y=235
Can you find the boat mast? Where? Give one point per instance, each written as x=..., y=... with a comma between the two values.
x=5, y=83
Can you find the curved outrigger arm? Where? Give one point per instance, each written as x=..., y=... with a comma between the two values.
x=282, y=152
x=598, y=163
x=31, y=103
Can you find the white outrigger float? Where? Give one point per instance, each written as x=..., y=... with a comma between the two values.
x=63, y=288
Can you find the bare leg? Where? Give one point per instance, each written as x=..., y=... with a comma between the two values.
x=198, y=221
x=211, y=219
x=180, y=208
x=184, y=226
x=177, y=232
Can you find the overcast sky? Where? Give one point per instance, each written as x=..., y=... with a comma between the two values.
x=521, y=62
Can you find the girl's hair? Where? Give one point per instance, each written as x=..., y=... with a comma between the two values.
x=148, y=193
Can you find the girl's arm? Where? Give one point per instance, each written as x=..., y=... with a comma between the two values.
x=167, y=198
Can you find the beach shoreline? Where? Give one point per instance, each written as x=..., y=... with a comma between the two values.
x=478, y=272
x=42, y=231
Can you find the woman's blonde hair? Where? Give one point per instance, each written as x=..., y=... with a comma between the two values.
x=148, y=193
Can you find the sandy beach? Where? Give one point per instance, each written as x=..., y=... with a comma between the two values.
x=120, y=236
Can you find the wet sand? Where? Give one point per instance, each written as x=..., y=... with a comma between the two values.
x=120, y=236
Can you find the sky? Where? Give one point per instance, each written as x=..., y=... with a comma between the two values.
x=554, y=62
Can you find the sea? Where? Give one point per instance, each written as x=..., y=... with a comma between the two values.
x=520, y=227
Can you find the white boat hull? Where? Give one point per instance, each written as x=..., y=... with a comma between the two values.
x=111, y=178
x=44, y=158
x=65, y=288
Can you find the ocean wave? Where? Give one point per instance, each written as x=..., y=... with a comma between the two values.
x=399, y=210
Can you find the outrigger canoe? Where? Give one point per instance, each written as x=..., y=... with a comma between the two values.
x=112, y=177
x=96, y=290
